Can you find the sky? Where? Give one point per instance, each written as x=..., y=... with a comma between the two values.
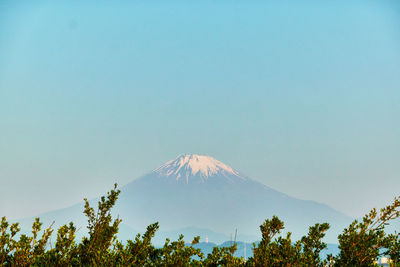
x=303, y=96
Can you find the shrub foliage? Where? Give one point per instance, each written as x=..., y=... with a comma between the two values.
x=360, y=244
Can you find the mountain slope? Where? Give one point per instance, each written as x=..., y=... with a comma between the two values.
x=195, y=190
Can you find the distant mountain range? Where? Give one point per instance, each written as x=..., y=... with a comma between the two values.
x=199, y=195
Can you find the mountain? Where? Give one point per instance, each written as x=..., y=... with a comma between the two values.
x=200, y=191
x=200, y=195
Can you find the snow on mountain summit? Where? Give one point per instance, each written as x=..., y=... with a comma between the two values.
x=187, y=165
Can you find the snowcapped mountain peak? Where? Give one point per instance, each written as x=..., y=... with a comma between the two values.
x=187, y=165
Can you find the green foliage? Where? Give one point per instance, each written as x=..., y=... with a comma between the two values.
x=93, y=250
x=360, y=244
x=140, y=252
x=224, y=256
x=178, y=254
x=283, y=251
x=392, y=244
x=27, y=250
x=313, y=245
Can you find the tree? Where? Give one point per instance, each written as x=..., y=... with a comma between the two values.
x=360, y=244
x=103, y=230
x=392, y=245
x=285, y=252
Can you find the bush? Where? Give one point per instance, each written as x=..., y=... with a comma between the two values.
x=361, y=244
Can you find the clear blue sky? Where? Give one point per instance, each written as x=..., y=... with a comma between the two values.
x=303, y=96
